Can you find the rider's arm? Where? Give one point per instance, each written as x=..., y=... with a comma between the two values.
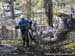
x=18, y=25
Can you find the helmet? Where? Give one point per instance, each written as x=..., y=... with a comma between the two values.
x=22, y=16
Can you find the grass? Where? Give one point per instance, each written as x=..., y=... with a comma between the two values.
x=14, y=42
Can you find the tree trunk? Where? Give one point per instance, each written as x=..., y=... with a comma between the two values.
x=12, y=9
x=48, y=5
x=29, y=9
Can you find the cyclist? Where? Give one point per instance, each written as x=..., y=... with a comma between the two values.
x=24, y=26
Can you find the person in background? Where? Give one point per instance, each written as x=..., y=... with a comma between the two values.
x=69, y=22
x=34, y=25
x=33, y=35
x=64, y=7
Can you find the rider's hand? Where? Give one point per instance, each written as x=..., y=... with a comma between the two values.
x=16, y=27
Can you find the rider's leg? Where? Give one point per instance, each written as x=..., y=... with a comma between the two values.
x=27, y=39
x=23, y=39
x=27, y=42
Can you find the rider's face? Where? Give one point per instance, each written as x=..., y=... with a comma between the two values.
x=22, y=19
